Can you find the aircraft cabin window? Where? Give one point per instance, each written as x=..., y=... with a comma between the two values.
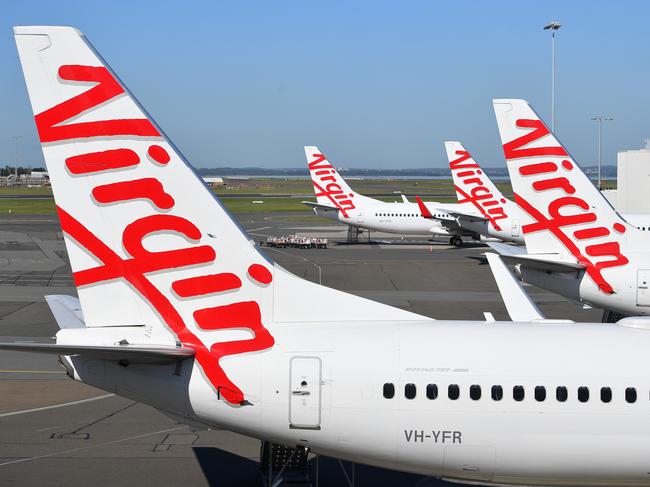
x=497, y=393
x=540, y=393
x=432, y=391
x=605, y=394
x=518, y=393
x=453, y=391
x=389, y=390
x=583, y=394
x=630, y=394
x=475, y=392
x=409, y=391
x=561, y=394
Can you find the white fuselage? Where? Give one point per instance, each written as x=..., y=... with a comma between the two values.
x=400, y=218
x=406, y=219
x=322, y=386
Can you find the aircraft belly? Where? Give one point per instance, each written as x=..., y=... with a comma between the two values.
x=623, y=301
x=583, y=451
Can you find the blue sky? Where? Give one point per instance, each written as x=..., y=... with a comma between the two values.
x=373, y=83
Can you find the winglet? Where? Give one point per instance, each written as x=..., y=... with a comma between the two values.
x=423, y=208
x=519, y=305
x=405, y=199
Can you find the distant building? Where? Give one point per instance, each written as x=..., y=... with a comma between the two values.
x=39, y=174
x=213, y=181
x=633, y=181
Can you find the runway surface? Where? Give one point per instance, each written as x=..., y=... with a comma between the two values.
x=54, y=431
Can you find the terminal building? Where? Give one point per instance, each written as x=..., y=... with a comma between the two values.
x=633, y=181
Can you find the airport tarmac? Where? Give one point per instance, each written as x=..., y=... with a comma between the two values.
x=54, y=431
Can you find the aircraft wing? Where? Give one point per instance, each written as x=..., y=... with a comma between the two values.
x=467, y=216
x=512, y=254
x=132, y=353
x=519, y=305
x=426, y=213
x=451, y=224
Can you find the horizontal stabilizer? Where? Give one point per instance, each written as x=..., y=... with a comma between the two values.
x=467, y=216
x=319, y=206
x=132, y=353
x=543, y=263
x=519, y=305
x=515, y=255
x=506, y=249
x=66, y=310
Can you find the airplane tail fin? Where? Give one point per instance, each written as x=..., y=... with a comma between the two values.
x=569, y=215
x=474, y=189
x=149, y=244
x=329, y=186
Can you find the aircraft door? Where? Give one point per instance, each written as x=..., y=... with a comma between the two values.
x=515, y=227
x=643, y=287
x=305, y=390
x=360, y=217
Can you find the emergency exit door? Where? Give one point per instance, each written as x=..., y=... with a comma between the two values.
x=305, y=393
x=643, y=287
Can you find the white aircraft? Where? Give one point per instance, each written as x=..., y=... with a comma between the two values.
x=181, y=311
x=336, y=200
x=474, y=188
x=577, y=245
x=481, y=207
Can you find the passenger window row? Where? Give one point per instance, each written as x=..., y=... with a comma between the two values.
x=406, y=214
x=518, y=392
x=398, y=214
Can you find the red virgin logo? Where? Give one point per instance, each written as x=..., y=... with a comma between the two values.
x=474, y=190
x=324, y=179
x=564, y=211
x=141, y=261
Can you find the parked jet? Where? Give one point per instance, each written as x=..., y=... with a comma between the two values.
x=576, y=243
x=180, y=310
x=481, y=207
x=474, y=188
x=336, y=200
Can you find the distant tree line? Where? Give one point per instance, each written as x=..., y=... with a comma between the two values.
x=607, y=171
x=9, y=170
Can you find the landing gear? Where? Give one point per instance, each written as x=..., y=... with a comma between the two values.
x=611, y=316
x=283, y=465
x=456, y=241
x=355, y=234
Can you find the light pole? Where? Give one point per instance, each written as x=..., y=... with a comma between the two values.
x=552, y=26
x=16, y=139
x=600, y=119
